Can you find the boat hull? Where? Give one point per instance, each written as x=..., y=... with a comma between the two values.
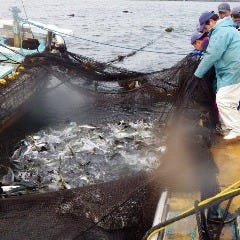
x=18, y=93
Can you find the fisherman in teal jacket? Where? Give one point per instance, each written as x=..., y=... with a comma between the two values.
x=223, y=52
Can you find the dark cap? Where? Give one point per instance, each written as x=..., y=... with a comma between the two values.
x=236, y=11
x=224, y=7
x=204, y=17
x=196, y=36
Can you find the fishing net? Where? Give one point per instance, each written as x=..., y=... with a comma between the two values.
x=121, y=209
x=18, y=91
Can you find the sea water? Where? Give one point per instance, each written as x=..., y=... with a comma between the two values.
x=123, y=23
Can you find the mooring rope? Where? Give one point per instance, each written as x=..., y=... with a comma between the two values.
x=122, y=57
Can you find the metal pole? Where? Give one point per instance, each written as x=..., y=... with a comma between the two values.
x=16, y=27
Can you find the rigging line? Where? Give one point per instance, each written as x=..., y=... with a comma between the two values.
x=25, y=12
x=8, y=58
x=24, y=9
x=2, y=45
x=121, y=58
x=223, y=219
x=88, y=40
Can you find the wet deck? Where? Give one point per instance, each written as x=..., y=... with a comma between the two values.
x=186, y=228
x=227, y=158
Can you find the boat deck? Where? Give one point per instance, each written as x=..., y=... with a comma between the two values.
x=186, y=228
x=171, y=205
x=227, y=157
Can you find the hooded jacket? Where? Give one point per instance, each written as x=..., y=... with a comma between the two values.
x=223, y=52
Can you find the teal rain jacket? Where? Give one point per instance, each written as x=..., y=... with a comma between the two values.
x=223, y=52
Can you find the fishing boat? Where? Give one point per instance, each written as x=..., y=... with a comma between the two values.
x=21, y=78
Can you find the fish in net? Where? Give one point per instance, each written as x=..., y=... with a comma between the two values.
x=124, y=208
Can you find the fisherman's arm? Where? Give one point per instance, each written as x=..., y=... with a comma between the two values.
x=216, y=48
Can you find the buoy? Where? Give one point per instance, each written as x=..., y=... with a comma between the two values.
x=169, y=29
x=161, y=90
x=10, y=76
x=131, y=85
x=20, y=68
x=3, y=81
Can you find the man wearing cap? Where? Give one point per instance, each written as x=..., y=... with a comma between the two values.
x=207, y=20
x=223, y=52
x=236, y=17
x=200, y=41
x=224, y=10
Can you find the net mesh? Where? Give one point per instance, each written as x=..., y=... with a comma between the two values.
x=121, y=209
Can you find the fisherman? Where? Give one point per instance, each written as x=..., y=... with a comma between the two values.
x=205, y=41
x=224, y=10
x=236, y=17
x=223, y=52
x=200, y=42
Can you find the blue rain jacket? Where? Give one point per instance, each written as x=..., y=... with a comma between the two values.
x=223, y=52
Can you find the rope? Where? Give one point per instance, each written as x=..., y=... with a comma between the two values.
x=121, y=58
x=25, y=12
x=8, y=58
x=201, y=228
x=218, y=198
x=2, y=45
x=223, y=219
x=24, y=9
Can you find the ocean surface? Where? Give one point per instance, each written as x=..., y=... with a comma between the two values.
x=102, y=29
x=123, y=23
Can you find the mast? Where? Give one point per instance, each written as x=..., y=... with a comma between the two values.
x=16, y=27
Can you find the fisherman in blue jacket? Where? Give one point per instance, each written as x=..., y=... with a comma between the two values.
x=223, y=52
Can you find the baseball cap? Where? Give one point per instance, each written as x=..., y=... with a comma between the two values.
x=204, y=17
x=196, y=36
x=224, y=7
x=236, y=11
